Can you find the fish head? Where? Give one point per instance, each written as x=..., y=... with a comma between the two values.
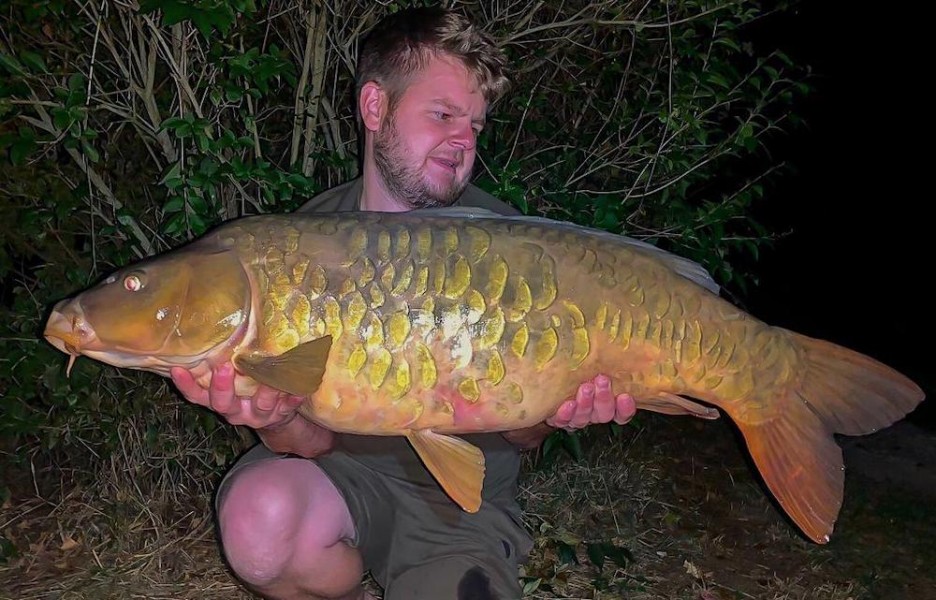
x=176, y=309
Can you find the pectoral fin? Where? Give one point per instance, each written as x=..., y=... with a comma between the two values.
x=457, y=465
x=671, y=404
x=298, y=371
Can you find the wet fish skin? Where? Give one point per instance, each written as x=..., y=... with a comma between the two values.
x=427, y=326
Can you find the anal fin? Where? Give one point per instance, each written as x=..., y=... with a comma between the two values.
x=457, y=465
x=298, y=371
x=671, y=404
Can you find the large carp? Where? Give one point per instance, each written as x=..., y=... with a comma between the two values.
x=426, y=325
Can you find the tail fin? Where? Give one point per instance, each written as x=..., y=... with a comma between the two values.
x=841, y=391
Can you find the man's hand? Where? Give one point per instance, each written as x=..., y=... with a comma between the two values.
x=271, y=412
x=594, y=403
x=267, y=408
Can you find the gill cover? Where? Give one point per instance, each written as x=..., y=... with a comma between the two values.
x=182, y=303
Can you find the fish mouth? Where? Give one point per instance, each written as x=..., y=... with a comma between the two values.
x=68, y=331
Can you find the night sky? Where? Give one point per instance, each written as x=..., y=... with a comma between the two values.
x=855, y=267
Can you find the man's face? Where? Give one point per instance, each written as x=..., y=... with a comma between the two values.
x=425, y=147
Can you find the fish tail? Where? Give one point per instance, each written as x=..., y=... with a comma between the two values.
x=838, y=391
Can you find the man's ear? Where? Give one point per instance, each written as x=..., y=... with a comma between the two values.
x=373, y=102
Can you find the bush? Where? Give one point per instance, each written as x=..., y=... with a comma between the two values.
x=127, y=130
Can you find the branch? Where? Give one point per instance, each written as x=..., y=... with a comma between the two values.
x=315, y=93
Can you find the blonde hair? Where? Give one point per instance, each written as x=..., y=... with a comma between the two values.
x=403, y=43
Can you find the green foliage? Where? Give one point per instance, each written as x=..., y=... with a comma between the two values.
x=208, y=16
x=125, y=131
x=50, y=250
x=605, y=558
x=667, y=136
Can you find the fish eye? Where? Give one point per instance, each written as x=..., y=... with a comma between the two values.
x=132, y=283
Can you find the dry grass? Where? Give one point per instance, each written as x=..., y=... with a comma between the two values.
x=672, y=503
x=112, y=545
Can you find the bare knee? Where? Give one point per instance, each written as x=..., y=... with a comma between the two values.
x=273, y=507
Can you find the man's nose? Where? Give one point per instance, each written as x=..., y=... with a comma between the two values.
x=463, y=136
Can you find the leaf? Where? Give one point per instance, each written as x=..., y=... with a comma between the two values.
x=90, y=151
x=693, y=571
x=531, y=585
x=125, y=218
x=10, y=63
x=172, y=175
x=174, y=204
x=33, y=61
x=718, y=79
x=7, y=550
x=175, y=224
x=549, y=445
x=572, y=444
x=244, y=6
x=68, y=543
x=20, y=149
x=175, y=123
x=208, y=166
x=227, y=139
x=76, y=83
x=233, y=93
x=198, y=205
x=61, y=118
x=619, y=554
x=239, y=169
x=173, y=10
x=596, y=554
x=183, y=131
x=731, y=43
x=197, y=225
x=566, y=553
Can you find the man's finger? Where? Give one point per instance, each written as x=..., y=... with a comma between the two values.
x=563, y=415
x=188, y=387
x=221, y=391
x=266, y=398
x=604, y=405
x=626, y=409
x=585, y=401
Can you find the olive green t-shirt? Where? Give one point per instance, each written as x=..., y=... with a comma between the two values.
x=392, y=455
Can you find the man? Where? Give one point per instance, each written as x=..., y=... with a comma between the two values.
x=295, y=528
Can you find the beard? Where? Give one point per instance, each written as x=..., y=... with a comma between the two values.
x=406, y=182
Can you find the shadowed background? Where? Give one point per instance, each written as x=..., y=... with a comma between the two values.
x=854, y=267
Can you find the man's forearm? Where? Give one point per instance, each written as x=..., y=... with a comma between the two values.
x=297, y=436
x=529, y=437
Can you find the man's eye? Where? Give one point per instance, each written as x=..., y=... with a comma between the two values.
x=443, y=116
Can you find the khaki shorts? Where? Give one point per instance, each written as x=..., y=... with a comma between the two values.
x=415, y=541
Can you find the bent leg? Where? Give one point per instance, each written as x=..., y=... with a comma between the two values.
x=285, y=530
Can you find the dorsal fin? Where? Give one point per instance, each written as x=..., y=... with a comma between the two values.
x=689, y=269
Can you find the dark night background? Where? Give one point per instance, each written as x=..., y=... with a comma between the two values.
x=854, y=268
